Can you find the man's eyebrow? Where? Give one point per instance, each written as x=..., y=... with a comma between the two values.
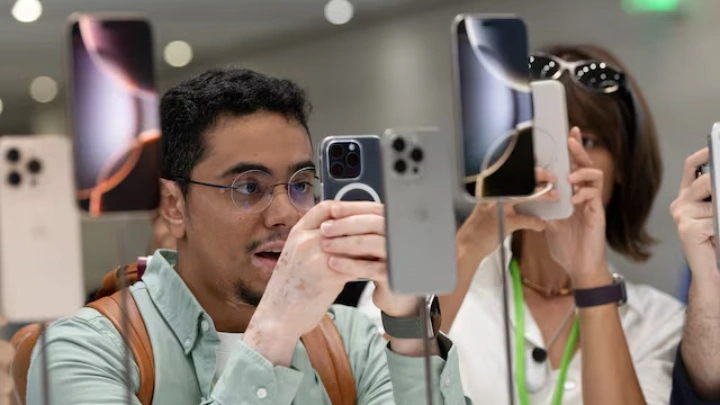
x=243, y=167
x=307, y=164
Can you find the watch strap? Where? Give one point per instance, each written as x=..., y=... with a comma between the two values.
x=609, y=294
x=404, y=328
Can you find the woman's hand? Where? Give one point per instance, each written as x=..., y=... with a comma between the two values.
x=578, y=243
x=478, y=235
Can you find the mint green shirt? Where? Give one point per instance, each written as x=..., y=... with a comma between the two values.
x=86, y=359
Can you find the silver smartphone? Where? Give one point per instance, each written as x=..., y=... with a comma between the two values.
x=350, y=168
x=550, y=138
x=417, y=169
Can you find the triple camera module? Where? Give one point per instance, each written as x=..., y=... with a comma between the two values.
x=345, y=160
x=14, y=158
x=408, y=157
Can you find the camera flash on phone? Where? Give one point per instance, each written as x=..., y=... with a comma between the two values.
x=351, y=147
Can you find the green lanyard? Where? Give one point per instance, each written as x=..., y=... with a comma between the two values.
x=520, y=343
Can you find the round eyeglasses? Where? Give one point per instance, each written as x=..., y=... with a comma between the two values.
x=252, y=191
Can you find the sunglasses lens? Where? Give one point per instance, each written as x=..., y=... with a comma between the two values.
x=598, y=76
x=543, y=67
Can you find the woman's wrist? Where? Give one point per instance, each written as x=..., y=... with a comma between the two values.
x=592, y=279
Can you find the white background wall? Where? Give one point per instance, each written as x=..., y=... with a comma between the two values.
x=397, y=71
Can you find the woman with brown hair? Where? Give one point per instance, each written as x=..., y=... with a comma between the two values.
x=564, y=301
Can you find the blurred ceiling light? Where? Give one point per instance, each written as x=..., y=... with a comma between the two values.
x=43, y=89
x=339, y=12
x=1, y=106
x=178, y=53
x=27, y=11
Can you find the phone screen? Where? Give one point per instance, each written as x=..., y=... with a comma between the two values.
x=114, y=114
x=495, y=106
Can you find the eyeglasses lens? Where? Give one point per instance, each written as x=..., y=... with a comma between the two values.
x=252, y=191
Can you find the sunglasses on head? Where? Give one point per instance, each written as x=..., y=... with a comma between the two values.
x=594, y=75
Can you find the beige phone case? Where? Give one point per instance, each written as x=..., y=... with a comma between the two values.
x=550, y=136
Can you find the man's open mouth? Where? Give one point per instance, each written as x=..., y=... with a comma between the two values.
x=274, y=255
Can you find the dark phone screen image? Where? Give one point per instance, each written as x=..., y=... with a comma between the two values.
x=496, y=106
x=114, y=113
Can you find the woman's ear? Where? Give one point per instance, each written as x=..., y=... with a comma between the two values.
x=173, y=207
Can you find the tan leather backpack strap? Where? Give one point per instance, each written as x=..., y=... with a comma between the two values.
x=137, y=338
x=328, y=357
x=112, y=282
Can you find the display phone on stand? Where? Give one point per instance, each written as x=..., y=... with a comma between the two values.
x=494, y=107
x=550, y=136
x=417, y=166
x=714, y=166
x=114, y=113
x=40, y=239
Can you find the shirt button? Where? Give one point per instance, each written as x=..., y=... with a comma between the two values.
x=570, y=385
x=261, y=393
x=187, y=343
x=447, y=382
x=205, y=325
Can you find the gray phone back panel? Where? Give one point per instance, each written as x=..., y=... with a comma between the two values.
x=419, y=213
x=368, y=185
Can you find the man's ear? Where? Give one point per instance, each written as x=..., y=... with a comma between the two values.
x=173, y=207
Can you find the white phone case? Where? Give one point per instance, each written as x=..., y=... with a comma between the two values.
x=714, y=147
x=40, y=239
x=550, y=135
x=420, y=222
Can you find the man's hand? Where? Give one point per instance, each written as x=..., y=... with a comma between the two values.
x=307, y=278
x=694, y=217
x=578, y=243
x=354, y=238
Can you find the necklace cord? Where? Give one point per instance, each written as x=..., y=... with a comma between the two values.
x=520, y=343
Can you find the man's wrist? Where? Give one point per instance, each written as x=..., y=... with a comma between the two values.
x=271, y=340
x=413, y=347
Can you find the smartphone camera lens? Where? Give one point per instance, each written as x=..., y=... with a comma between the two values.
x=416, y=155
x=336, y=170
x=34, y=166
x=353, y=159
x=13, y=155
x=400, y=166
x=14, y=179
x=398, y=144
x=336, y=150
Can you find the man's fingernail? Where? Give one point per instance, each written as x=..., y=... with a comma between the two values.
x=335, y=210
x=325, y=227
x=333, y=262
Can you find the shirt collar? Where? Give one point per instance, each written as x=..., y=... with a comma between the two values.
x=173, y=299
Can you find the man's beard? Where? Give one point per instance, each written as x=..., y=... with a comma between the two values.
x=245, y=294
